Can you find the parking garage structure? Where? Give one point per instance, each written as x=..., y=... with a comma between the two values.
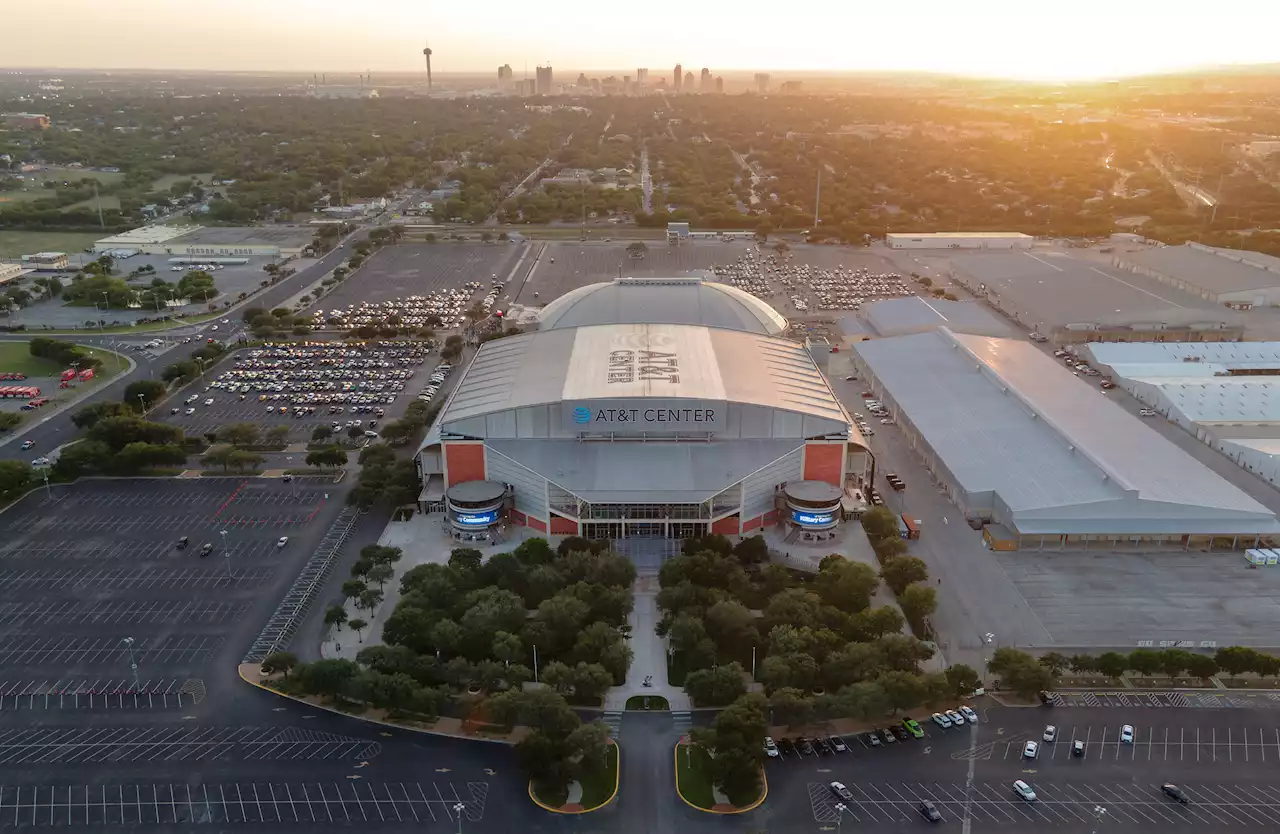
x=644, y=430
x=1043, y=460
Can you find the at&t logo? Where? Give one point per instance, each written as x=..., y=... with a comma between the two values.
x=581, y=415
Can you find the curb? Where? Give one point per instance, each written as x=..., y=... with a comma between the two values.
x=379, y=722
x=764, y=793
x=617, y=779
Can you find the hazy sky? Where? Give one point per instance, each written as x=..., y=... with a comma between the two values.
x=1034, y=39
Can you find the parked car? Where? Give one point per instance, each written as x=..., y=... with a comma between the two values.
x=841, y=791
x=1023, y=790
x=838, y=745
x=1126, y=734
x=899, y=732
x=930, y=811
x=1050, y=733
x=770, y=748
x=1077, y=748
x=206, y=549
x=956, y=718
x=1030, y=750
x=1174, y=792
x=913, y=727
x=183, y=542
x=803, y=745
x=941, y=720
x=888, y=737
x=786, y=747
x=969, y=714
x=822, y=747
x=282, y=541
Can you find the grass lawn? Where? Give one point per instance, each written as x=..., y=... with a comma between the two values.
x=166, y=182
x=693, y=776
x=600, y=786
x=650, y=702
x=15, y=357
x=109, y=202
x=149, y=327
x=27, y=195
x=14, y=244
x=72, y=175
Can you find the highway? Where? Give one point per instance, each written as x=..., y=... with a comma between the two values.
x=58, y=429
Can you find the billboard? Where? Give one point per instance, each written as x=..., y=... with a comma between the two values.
x=476, y=519
x=812, y=519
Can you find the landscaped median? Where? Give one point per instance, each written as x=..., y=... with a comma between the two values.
x=695, y=785
x=593, y=791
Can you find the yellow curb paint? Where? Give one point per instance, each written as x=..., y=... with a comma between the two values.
x=617, y=778
x=764, y=793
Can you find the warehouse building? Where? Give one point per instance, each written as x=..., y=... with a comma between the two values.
x=1224, y=276
x=913, y=314
x=960, y=240
x=1226, y=395
x=213, y=242
x=624, y=429
x=1043, y=458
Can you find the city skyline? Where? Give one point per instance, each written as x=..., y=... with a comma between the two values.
x=987, y=38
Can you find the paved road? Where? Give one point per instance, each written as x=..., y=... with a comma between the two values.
x=58, y=429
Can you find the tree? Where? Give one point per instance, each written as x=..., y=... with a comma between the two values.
x=1237, y=660
x=918, y=603
x=218, y=456
x=1055, y=662
x=1021, y=672
x=847, y=585
x=277, y=435
x=1111, y=664
x=328, y=456
x=358, y=626
x=328, y=677
x=879, y=523
x=15, y=477
x=320, y=434
x=380, y=574
x=1173, y=662
x=903, y=690
x=718, y=686
x=752, y=551
x=964, y=681
x=335, y=616
x=279, y=662
x=901, y=571
x=369, y=599
x=82, y=458
x=353, y=588
x=1144, y=661
x=148, y=390
x=1201, y=666
x=791, y=706
x=239, y=434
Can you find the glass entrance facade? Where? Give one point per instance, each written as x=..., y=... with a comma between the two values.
x=642, y=529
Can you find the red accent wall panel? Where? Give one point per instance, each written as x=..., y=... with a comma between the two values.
x=517, y=518
x=822, y=462
x=726, y=526
x=464, y=462
x=537, y=524
x=752, y=524
x=770, y=517
x=563, y=526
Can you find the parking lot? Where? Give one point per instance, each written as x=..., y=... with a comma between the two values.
x=305, y=385
x=578, y=264
x=93, y=582
x=1222, y=759
x=406, y=270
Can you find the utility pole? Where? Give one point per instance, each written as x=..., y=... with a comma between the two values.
x=98, y=203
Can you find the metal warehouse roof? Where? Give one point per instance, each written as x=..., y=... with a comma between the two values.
x=1003, y=417
x=662, y=301
x=899, y=316
x=552, y=366
x=1218, y=271
x=1178, y=358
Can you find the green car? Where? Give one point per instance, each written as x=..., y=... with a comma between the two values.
x=913, y=727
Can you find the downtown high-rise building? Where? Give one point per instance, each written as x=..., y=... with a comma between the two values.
x=677, y=79
x=544, y=81
x=504, y=76
x=762, y=82
x=688, y=82
x=719, y=83
x=642, y=77
x=707, y=83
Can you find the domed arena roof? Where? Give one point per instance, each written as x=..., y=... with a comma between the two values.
x=691, y=301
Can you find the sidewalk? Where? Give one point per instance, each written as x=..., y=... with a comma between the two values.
x=650, y=653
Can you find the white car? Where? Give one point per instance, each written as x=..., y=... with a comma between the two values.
x=969, y=714
x=283, y=540
x=1030, y=750
x=1126, y=734
x=192, y=398
x=190, y=411
x=209, y=401
x=941, y=720
x=956, y=718
x=1050, y=733
x=770, y=748
x=27, y=444
x=1024, y=790
x=40, y=462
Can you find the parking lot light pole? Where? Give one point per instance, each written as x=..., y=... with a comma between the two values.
x=1098, y=813
x=225, y=552
x=840, y=809
x=133, y=664
x=142, y=403
x=459, y=808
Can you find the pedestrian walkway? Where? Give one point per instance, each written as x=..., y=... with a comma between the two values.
x=649, y=658
x=612, y=719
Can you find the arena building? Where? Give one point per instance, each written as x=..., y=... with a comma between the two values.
x=666, y=428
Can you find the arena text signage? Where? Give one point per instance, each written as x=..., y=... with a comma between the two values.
x=646, y=415
x=627, y=366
